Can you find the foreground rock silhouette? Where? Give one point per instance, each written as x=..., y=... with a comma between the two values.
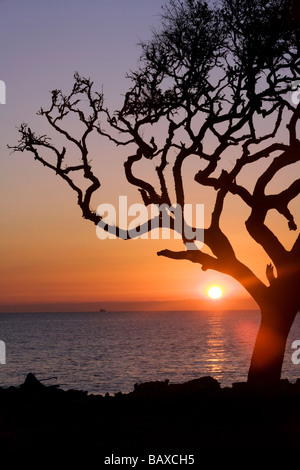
x=155, y=418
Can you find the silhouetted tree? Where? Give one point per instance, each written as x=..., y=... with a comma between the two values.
x=222, y=74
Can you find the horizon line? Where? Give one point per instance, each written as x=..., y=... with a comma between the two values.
x=131, y=311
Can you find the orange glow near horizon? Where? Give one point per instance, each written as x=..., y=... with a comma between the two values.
x=51, y=255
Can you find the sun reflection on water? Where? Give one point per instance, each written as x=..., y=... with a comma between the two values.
x=215, y=354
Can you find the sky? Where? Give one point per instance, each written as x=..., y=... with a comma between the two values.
x=52, y=259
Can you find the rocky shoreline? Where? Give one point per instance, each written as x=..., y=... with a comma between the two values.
x=156, y=418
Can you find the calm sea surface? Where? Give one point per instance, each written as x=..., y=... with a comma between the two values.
x=111, y=351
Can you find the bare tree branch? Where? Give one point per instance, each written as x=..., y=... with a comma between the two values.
x=209, y=74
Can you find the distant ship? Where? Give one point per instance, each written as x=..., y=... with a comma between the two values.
x=102, y=310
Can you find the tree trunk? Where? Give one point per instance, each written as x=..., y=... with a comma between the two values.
x=269, y=349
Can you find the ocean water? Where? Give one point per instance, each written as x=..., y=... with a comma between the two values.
x=111, y=351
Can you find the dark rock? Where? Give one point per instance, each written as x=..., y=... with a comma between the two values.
x=240, y=387
x=150, y=387
x=208, y=384
x=76, y=394
x=32, y=383
x=194, y=417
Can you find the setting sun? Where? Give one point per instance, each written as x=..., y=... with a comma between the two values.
x=215, y=292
